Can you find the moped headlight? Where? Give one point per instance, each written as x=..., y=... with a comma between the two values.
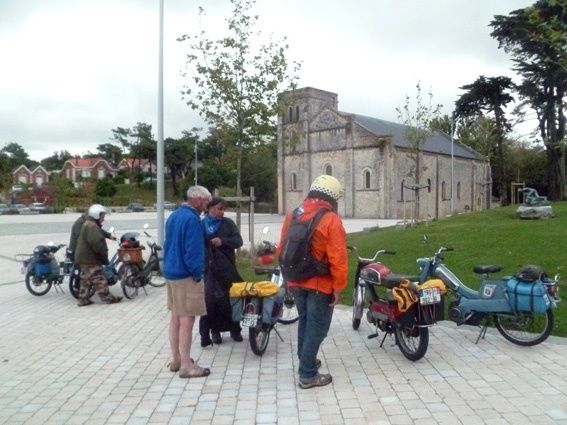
x=127, y=257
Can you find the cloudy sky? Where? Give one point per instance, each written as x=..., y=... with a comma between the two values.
x=72, y=70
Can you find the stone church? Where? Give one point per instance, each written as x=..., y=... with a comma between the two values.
x=375, y=163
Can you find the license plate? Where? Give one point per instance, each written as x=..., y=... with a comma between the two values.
x=429, y=296
x=249, y=320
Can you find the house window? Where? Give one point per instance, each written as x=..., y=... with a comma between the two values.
x=22, y=178
x=101, y=173
x=329, y=170
x=68, y=173
x=85, y=173
x=366, y=178
x=293, y=181
x=458, y=190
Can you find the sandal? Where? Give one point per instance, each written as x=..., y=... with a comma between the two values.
x=175, y=366
x=196, y=372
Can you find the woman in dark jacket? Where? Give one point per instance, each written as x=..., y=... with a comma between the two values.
x=222, y=238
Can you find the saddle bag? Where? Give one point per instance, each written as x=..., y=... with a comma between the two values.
x=528, y=296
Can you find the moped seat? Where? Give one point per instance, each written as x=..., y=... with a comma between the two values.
x=394, y=280
x=485, y=269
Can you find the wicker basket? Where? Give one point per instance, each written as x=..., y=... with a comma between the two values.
x=130, y=255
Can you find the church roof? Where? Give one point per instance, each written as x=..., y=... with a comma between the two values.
x=438, y=143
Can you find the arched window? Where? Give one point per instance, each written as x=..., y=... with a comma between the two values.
x=329, y=170
x=366, y=177
x=428, y=185
x=290, y=114
x=443, y=191
x=402, y=190
x=293, y=181
x=458, y=190
x=297, y=113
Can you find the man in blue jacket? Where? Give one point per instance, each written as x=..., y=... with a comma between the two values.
x=184, y=262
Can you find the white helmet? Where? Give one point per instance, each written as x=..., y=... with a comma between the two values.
x=96, y=210
x=328, y=185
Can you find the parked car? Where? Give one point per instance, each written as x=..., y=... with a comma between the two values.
x=37, y=206
x=3, y=207
x=135, y=207
x=171, y=206
x=22, y=209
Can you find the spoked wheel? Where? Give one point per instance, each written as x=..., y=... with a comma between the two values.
x=130, y=280
x=524, y=327
x=412, y=340
x=259, y=338
x=156, y=279
x=37, y=286
x=289, y=310
x=74, y=285
x=357, y=305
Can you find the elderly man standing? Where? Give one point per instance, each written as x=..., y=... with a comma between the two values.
x=184, y=261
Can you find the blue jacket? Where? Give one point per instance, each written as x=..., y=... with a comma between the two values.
x=184, y=246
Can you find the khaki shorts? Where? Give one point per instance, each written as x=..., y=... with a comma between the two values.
x=185, y=297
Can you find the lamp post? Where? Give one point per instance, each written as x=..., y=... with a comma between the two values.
x=452, y=164
x=160, y=144
x=195, y=162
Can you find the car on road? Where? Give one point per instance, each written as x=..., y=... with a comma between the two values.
x=21, y=209
x=37, y=206
x=3, y=207
x=135, y=207
x=171, y=206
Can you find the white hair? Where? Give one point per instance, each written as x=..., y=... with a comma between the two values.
x=201, y=192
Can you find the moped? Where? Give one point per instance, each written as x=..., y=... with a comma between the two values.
x=135, y=272
x=42, y=270
x=375, y=285
x=521, y=306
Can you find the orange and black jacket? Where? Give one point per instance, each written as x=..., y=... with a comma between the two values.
x=328, y=244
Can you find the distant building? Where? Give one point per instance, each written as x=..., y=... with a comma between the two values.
x=76, y=169
x=36, y=177
x=373, y=160
x=133, y=164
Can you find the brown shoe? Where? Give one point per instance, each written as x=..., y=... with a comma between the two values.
x=319, y=380
x=113, y=300
x=84, y=302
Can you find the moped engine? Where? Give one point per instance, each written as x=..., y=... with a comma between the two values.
x=456, y=315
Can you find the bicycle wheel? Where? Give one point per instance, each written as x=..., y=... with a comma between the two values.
x=37, y=286
x=259, y=338
x=357, y=305
x=412, y=341
x=129, y=280
x=289, y=309
x=524, y=327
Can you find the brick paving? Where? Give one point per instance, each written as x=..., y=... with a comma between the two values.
x=106, y=364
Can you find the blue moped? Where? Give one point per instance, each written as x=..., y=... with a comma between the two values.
x=521, y=305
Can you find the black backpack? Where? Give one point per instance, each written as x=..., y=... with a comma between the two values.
x=296, y=262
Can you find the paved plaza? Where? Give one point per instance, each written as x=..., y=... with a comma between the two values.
x=106, y=364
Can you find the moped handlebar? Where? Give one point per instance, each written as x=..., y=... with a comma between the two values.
x=376, y=254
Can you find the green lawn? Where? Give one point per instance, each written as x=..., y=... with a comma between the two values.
x=488, y=237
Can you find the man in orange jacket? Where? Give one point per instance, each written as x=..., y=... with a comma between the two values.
x=317, y=296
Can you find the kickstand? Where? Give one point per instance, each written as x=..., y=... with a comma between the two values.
x=383, y=339
x=278, y=334
x=482, y=333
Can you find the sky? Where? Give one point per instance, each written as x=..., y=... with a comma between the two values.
x=72, y=70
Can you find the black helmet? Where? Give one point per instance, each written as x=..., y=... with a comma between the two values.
x=530, y=273
x=129, y=240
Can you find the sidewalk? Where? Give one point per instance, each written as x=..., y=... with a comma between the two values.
x=106, y=364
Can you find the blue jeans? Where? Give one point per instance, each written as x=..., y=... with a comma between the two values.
x=315, y=317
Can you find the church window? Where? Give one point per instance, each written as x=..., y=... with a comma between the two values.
x=290, y=114
x=297, y=113
x=293, y=181
x=428, y=185
x=443, y=191
x=328, y=170
x=366, y=177
x=458, y=190
x=402, y=190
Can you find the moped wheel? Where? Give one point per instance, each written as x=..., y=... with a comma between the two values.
x=37, y=286
x=129, y=280
x=75, y=285
x=289, y=309
x=525, y=328
x=357, y=305
x=412, y=341
x=259, y=337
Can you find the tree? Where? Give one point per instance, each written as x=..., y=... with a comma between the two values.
x=178, y=156
x=418, y=124
x=18, y=155
x=536, y=37
x=112, y=153
x=55, y=161
x=490, y=96
x=236, y=81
